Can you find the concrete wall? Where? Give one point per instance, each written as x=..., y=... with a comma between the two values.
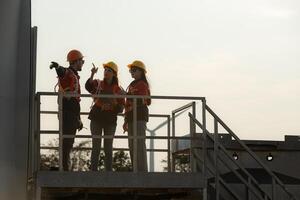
x=14, y=99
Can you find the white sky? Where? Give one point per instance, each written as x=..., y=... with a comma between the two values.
x=243, y=56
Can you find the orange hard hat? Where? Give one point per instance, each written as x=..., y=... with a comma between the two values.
x=74, y=55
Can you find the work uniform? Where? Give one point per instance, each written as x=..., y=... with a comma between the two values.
x=138, y=87
x=69, y=83
x=103, y=120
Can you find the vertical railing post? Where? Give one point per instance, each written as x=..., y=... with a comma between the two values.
x=31, y=142
x=169, y=143
x=38, y=131
x=60, y=121
x=192, y=136
x=216, y=155
x=204, y=148
x=194, y=110
x=135, y=142
x=33, y=138
x=173, y=141
x=151, y=154
x=193, y=166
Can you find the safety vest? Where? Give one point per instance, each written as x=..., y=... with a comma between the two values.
x=103, y=88
x=138, y=88
x=69, y=83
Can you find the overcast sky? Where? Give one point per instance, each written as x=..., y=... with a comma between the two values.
x=243, y=56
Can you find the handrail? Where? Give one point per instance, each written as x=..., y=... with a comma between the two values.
x=124, y=96
x=125, y=137
x=226, y=153
x=87, y=113
x=60, y=96
x=254, y=156
x=191, y=104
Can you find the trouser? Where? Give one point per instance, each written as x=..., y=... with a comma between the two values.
x=67, y=147
x=70, y=125
x=97, y=129
x=141, y=146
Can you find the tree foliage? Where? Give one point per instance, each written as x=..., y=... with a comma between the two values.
x=80, y=158
x=182, y=163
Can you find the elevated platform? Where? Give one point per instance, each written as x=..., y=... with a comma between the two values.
x=155, y=180
x=90, y=185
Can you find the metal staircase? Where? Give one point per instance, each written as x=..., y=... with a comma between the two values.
x=213, y=158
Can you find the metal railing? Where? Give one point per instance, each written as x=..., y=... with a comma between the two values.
x=38, y=132
x=174, y=112
x=250, y=182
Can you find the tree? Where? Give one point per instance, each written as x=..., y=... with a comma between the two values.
x=80, y=158
x=182, y=163
x=121, y=161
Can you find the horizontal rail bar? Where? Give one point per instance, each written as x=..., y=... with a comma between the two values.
x=121, y=136
x=124, y=96
x=86, y=113
x=49, y=132
x=90, y=148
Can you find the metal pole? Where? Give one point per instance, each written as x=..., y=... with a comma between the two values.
x=38, y=138
x=204, y=150
x=32, y=139
x=135, y=169
x=173, y=141
x=169, y=144
x=216, y=150
x=191, y=146
x=60, y=120
x=151, y=154
x=194, y=109
x=193, y=166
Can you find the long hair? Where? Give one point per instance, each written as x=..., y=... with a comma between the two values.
x=143, y=78
x=115, y=80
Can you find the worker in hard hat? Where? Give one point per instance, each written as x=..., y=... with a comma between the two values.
x=103, y=114
x=139, y=86
x=68, y=82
